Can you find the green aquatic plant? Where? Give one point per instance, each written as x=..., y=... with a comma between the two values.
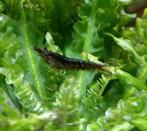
x=37, y=96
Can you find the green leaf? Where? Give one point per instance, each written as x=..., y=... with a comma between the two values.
x=94, y=19
x=35, y=96
x=123, y=43
x=140, y=123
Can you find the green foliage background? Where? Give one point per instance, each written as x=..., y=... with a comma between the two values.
x=34, y=96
